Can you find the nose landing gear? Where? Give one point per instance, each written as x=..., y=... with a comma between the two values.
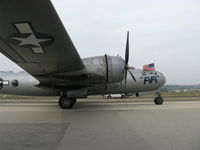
x=158, y=100
x=66, y=102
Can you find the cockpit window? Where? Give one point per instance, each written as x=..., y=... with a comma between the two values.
x=144, y=73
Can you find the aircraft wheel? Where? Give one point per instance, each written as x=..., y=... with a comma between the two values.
x=66, y=102
x=73, y=101
x=158, y=100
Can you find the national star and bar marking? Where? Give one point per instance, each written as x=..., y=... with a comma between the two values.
x=31, y=41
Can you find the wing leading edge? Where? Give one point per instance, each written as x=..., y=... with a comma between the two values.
x=33, y=36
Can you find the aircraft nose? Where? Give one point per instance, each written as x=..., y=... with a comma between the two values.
x=163, y=80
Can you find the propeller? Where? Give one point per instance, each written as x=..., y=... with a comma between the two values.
x=127, y=50
x=127, y=60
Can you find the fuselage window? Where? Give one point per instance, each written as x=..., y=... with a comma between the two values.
x=15, y=83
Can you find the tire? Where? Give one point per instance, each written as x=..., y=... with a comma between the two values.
x=158, y=100
x=65, y=103
x=73, y=101
x=123, y=96
x=109, y=97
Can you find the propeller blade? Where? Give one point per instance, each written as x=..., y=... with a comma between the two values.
x=132, y=75
x=126, y=57
x=125, y=75
x=127, y=49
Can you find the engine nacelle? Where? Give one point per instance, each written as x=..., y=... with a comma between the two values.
x=115, y=69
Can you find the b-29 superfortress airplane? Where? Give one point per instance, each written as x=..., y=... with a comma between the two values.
x=33, y=36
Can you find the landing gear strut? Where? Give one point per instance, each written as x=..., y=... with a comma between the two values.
x=158, y=100
x=66, y=102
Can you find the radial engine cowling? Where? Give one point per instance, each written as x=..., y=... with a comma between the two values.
x=115, y=69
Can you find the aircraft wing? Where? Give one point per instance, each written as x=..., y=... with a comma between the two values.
x=33, y=36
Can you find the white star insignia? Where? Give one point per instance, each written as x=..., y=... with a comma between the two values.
x=31, y=40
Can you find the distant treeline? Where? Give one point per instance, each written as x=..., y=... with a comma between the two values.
x=180, y=87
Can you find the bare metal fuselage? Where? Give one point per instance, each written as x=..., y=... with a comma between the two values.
x=29, y=86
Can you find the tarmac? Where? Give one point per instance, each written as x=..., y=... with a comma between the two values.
x=100, y=126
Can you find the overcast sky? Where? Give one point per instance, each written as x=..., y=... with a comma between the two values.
x=166, y=32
